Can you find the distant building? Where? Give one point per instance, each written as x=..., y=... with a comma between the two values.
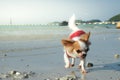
x=118, y=25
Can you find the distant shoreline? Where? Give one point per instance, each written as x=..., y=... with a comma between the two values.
x=58, y=24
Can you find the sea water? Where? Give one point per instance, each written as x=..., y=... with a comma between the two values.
x=48, y=29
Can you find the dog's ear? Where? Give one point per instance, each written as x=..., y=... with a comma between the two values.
x=85, y=37
x=67, y=42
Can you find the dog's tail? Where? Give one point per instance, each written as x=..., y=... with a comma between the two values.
x=71, y=23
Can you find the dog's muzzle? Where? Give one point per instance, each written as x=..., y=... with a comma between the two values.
x=84, y=55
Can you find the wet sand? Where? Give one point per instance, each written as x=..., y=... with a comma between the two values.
x=43, y=54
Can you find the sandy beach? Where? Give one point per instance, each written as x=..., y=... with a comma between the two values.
x=43, y=55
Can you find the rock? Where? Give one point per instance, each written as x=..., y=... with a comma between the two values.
x=117, y=56
x=20, y=75
x=31, y=73
x=119, y=38
x=16, y=75
x=14, y=72
x=118, y=64
x=90, y=65
x=57, y=79
x=4, y=75
x=46, y=79
x=5, y=54
x=25, y=76
x=71, y=76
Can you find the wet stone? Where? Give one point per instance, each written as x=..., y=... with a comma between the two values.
x=4, y=75
x=117, y=56
x=90, y=65
x=17, y=75
x=71, y=76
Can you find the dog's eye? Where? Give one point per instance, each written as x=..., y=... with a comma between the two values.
x=87, y=50
x=78, y=51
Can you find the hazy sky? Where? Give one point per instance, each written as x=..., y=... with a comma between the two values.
x=45, y=11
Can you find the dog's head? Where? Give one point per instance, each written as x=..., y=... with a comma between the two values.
x=79, y=47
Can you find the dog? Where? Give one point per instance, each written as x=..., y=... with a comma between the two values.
x=76, y=46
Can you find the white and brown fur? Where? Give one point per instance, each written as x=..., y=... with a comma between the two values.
x=77, y=47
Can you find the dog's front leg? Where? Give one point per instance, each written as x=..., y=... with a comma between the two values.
x=82, y=66
x=67, y=62
x=73, y=62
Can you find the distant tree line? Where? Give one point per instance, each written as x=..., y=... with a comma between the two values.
x=112, y=19
x=65, y=23
x=115, y=18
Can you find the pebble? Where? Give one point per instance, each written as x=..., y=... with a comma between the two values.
x=118, y=64
x=117, y=56
x=5, y=54
x=4, y=75
x=16, y=75
x=71, y=76
x=90, y=65
x=119, y=38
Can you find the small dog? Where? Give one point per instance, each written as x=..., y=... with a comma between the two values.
x=76, y=46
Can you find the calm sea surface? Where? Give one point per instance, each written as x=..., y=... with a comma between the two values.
x=44, y=29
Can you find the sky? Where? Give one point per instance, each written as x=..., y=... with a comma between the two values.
x=46, y=11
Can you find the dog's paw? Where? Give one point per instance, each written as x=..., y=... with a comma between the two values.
x=79, y=67
x=72, y=65
x=67, y=66
x=84, y=71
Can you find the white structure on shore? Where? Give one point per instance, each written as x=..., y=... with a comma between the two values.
x=118, y=25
